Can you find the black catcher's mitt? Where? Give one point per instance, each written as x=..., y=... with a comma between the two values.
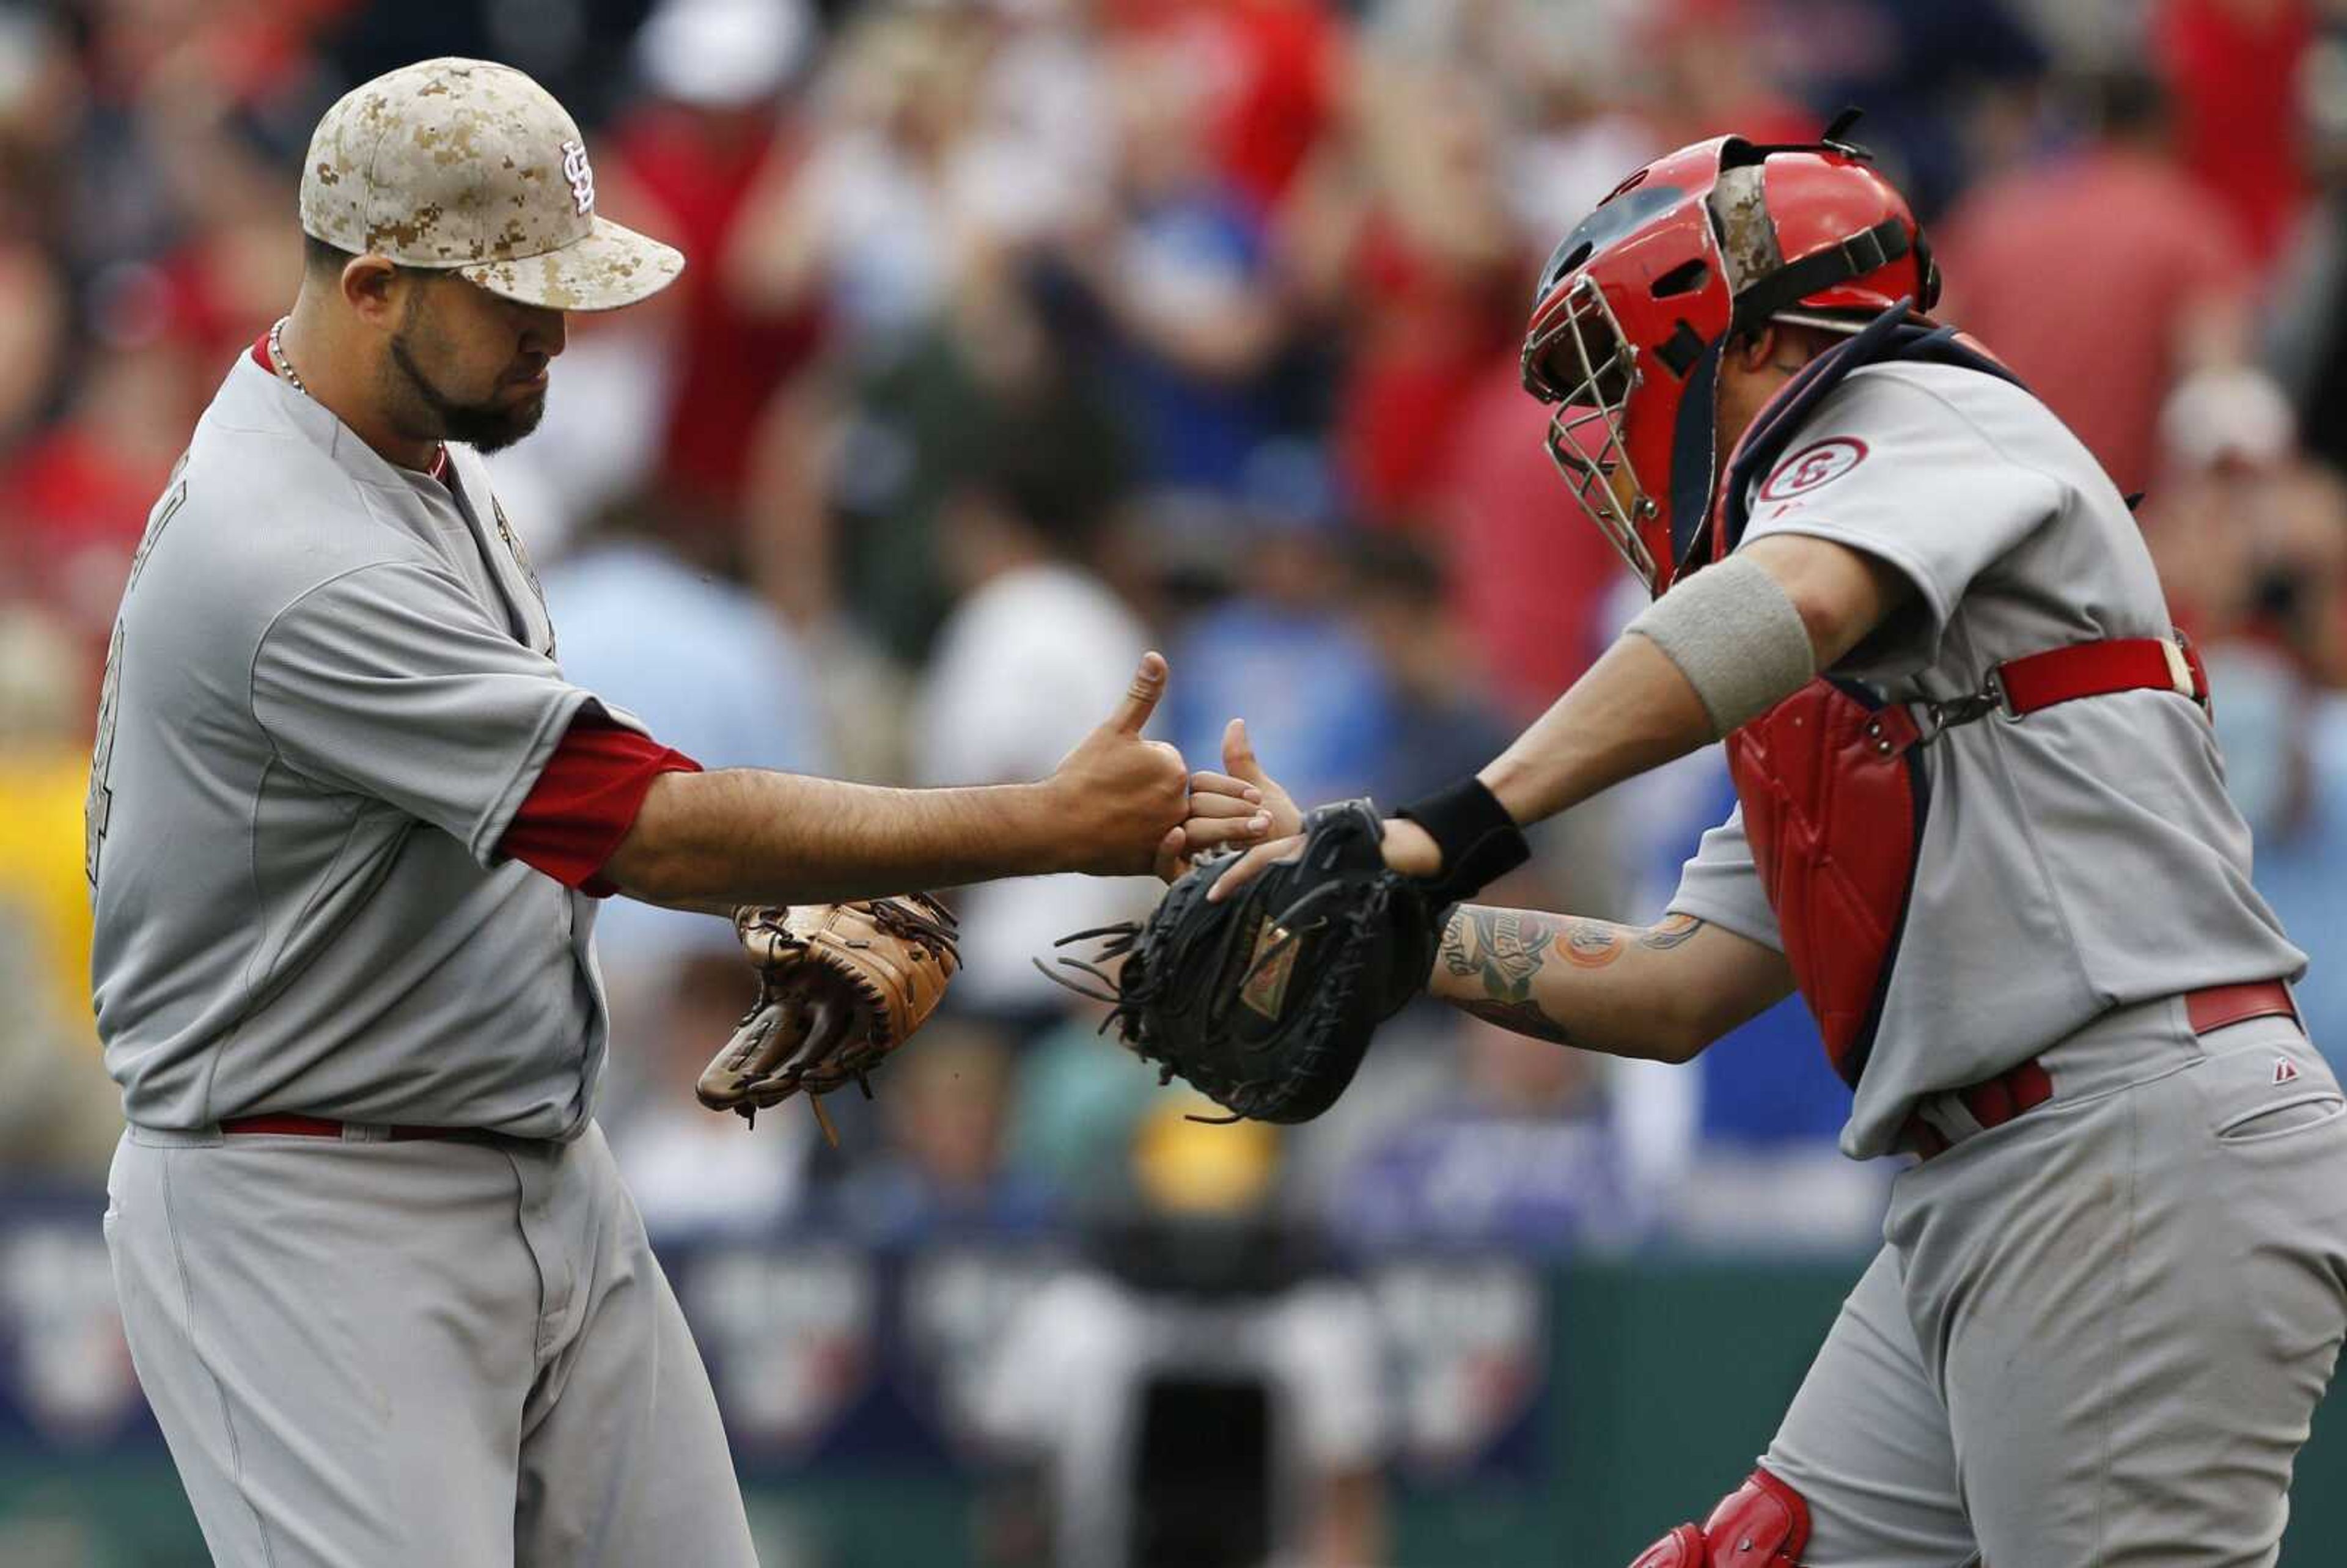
x=1265, y=1002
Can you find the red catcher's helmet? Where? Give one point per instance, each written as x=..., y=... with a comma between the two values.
x=1636, y=306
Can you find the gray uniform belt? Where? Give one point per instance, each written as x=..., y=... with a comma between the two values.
x=1943, y=1120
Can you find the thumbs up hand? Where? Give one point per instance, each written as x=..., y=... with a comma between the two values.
x=1122, y=798
x=1236, y=808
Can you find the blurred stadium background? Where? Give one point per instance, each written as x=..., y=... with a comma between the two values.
x=1020, y=334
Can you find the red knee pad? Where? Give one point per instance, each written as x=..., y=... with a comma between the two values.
x=1763, y=1523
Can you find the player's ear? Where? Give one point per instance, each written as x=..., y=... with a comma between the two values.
x=371, y=287
x=1757, y=348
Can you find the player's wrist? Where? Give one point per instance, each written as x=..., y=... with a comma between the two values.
x=1108, y=819
x=1051, y=826
x=1470, y=833
x=1517, y=785
x=1411, y=849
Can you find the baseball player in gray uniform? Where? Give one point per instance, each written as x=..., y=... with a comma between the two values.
x=348, y=827
x=1983, y=828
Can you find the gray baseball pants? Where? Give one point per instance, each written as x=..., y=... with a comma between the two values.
x=366, y=1353
x=2096, y=1333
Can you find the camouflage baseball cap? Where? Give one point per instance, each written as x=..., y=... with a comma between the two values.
x=472, y=167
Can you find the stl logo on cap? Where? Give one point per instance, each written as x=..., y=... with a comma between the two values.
x=582, y=178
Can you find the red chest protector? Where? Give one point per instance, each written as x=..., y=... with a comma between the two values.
x=1834, y=800
x=1834, y=794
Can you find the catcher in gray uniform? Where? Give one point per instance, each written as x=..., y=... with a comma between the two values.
x=1983, y=829
x=348, y=828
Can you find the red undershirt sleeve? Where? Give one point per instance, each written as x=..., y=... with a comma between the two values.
x=585, y=801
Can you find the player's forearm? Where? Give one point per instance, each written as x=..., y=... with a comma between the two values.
x=1631, y=711
x=1662, y=994
x=746, y=837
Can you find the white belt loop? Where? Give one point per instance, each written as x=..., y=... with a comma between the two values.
x=2179, y=670
x=176, y=1137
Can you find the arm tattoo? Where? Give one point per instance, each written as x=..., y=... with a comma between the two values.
x=1590, y=944
x=1502, y=945
x=1453, y=952
x=1506, y=949
x=1668, y=932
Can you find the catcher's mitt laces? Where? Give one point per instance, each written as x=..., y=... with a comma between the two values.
x=1122, y=938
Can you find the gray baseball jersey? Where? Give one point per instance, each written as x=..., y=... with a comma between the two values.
x=2079, y=859
x=331, y=686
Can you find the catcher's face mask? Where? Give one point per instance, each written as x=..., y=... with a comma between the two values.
x=1590, y=371
x=1638, y=304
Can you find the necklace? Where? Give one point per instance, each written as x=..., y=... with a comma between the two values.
x=285, y=368
x=277, y=357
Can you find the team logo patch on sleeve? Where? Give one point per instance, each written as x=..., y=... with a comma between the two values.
x=1819, y=463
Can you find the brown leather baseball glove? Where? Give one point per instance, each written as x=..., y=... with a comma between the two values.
x=840, y=987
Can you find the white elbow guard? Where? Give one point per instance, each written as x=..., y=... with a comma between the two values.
x=1733, y=633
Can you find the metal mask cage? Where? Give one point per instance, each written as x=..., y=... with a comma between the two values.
x=1593, y=391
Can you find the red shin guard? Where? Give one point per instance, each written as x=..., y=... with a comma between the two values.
x=1763, y=1523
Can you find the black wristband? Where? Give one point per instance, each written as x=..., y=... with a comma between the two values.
x=1478, y=840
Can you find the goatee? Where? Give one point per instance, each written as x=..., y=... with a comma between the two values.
x=483, y=426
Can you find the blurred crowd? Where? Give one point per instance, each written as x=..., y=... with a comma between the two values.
x=1019, y=335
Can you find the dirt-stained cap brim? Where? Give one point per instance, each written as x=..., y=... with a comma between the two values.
x=612, y=267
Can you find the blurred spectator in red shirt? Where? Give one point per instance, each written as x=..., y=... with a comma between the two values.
x=1529, y=574
x=76, y=495
x=1271, y=69
x=1405, y=242
x=2102, y=277
x=699, y=146
x=2229, y=64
